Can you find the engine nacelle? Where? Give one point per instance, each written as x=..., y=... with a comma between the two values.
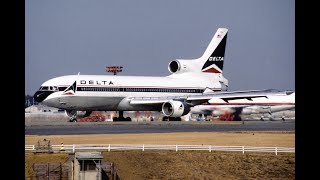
x=77, y=114
x=178, y=66
x=175, y=108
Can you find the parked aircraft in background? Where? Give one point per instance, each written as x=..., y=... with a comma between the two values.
x=191, y=83
x=235, y=108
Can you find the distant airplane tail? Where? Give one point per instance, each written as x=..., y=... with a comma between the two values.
x=210, y=62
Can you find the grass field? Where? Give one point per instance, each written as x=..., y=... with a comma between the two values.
x=184, y=164
x=280, y=139
x=202, y=165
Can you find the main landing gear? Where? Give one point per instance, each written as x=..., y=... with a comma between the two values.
x=165, y=118
x=121, y=118
x=73, y=119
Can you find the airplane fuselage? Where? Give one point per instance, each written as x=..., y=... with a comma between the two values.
x=113, y=93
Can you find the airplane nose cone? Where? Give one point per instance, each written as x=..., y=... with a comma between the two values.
x=39, y=96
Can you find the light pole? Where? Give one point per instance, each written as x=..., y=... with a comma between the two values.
x=114, y=69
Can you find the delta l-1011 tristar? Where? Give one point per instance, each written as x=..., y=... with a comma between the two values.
x=191, y=83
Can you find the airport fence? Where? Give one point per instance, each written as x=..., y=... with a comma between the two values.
x=146, y=147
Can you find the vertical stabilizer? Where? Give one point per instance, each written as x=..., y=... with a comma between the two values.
x=213, y=57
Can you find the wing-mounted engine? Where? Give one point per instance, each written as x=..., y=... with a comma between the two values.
x=175, y=108
x=77, y=114
x=179, y=66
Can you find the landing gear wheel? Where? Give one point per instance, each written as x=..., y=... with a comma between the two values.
x=128, y=119
x=176, y=119
x=73, y=120
x=122, y=119
x=165, y=118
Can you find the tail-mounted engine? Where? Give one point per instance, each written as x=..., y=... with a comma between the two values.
x=178, y=66
x=77, y=114
x=175, y=108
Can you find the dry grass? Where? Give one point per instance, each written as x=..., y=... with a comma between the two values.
x=184, y=164
x=202, y=165
x=193, y=138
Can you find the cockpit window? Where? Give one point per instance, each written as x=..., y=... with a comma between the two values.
x=44, y=88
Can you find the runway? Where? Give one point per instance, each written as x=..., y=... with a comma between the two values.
x=67, y=128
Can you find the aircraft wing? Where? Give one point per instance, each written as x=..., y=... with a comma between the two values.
x=206, y=97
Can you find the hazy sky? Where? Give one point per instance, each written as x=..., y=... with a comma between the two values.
x=64, y=37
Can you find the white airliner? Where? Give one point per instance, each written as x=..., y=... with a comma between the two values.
x=234, y=108
x=191, y=83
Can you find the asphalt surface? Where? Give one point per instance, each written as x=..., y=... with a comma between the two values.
x=64, y=128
